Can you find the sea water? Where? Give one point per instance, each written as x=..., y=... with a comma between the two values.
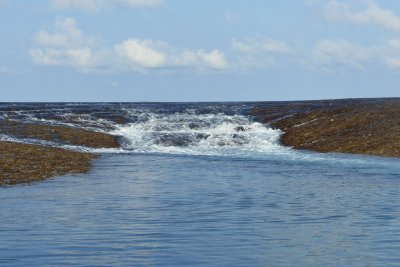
x=198, y=185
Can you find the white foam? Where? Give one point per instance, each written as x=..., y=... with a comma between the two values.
x=199, y=134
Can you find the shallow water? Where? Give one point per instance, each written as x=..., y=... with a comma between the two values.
x=241, y=204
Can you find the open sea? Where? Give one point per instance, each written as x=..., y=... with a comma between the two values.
x=198, y=184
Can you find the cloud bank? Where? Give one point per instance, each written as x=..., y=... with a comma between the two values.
x=67, y=45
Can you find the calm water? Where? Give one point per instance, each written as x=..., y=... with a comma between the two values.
x=201, y=194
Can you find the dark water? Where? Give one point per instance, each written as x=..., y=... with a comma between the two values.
x=212, y=201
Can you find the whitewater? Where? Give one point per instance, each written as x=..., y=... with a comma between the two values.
x=212, y=129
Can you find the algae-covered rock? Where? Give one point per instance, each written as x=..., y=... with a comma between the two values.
x=362, y=126
x=62, y=134
x=23, y=163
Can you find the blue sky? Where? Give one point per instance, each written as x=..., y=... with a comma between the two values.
x=225, y=50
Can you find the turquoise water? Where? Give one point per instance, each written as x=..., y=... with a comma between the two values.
x=247, y=203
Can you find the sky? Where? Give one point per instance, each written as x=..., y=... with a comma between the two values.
x=177, y=50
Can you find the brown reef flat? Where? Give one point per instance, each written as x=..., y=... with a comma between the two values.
x=67, y=135
x=361, y=126
x=23, y=163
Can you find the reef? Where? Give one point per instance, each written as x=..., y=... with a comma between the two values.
x=360, y=126
x=59, y=134
x=25, y=163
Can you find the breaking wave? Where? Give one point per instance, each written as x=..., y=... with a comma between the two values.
x=194, y=133
x=197, y=129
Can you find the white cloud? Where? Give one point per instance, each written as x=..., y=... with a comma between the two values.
x=231, y=17
x=393, y=63
x=260, y=51
x=340, y=53
x=7, y=70
x=140, y=3
x=214, y=59
x=372, y=14
x=392, y=54
x=66, y=34
x=395, y=43
x=66, y=46
x=261, y=45
x=69, y=46
x=50, y=56
x=149, y=54
x=141, y=53
x=337, y=55
x=95, y=5
x=344, y=53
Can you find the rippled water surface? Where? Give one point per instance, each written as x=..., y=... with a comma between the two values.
x=235, y=198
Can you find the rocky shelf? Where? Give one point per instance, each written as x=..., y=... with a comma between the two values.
x=25, y=163
x=361, y=126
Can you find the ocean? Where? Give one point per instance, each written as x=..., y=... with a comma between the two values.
x=198, y=184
